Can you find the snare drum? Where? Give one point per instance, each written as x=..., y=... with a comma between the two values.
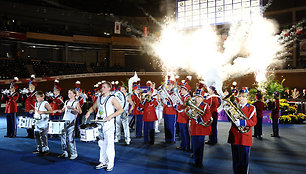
x=25, y=122
x=89, y=132
x=56, y=127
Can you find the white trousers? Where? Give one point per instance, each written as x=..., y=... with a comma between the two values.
x=124, y=121
x=159, y=113
x=107, y=145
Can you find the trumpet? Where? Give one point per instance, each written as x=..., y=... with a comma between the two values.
x=234, y=112
x=148, y=97
x=5, y=92
x=24, y=91
x=194, y=112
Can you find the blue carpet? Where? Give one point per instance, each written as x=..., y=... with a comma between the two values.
x=271, y=155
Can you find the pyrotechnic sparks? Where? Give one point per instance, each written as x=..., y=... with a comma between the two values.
x=250, y=47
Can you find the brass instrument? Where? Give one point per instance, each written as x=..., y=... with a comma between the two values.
x=177, y=97
x=148, y=97
x=234, y=112
x=194, y=112
x=163, y=94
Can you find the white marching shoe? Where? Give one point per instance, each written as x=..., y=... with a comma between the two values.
x=101, y=165
x=72, y=157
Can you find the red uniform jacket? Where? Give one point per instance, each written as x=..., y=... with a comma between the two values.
x=213, y=103
x=182, y=117
x=245, y=139
x=168, y=107
x=136, y=99
x=197, y=129
x=94, y=98
x=30, y=100
x=149, y=113
x=56, y=103
x=275, y=109
x=80, y=99
x=259, y=108
x=11, y=102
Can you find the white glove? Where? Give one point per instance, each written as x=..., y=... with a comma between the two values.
x=240, y=122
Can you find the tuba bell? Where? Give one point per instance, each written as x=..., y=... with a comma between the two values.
x=195, y=112
x=234, y=112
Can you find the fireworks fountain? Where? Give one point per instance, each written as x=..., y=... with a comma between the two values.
x=250, y=47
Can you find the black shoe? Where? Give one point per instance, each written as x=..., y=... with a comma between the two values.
x=272, y=135
x=138, y=136
x=179, y=148
x=6, y=136
x=260, y=138
x=36, y=151
x=45, y=152
x=254, y=136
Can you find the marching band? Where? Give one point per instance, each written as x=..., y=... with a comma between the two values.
x=195, y=116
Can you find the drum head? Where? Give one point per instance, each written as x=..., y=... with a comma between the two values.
x=89, y=125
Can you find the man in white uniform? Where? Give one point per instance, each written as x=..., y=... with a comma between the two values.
x=106, y=105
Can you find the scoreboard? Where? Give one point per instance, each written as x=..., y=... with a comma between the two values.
x=195, y=13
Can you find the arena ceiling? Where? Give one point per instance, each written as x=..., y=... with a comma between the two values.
x=156, y=8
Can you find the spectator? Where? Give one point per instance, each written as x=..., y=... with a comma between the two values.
x=286, y=94
x=295, y=93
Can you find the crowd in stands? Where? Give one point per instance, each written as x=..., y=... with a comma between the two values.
x=9, y=68
x=294, y=94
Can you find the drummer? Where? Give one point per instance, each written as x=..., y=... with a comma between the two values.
x=42, y=111
x=72, y=109
x=106, y=105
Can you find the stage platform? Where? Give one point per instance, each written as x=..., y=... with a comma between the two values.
x=271, y=155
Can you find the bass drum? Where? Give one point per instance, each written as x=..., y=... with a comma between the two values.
x=121, y=98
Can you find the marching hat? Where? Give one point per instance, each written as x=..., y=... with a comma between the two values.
x=258, y=96
x=186, y=86
x=170, y=81
x=244, y=90
x=13, y=85
x=135, y=87
x=200, y=93
x=149, y=83
x=57, y=88
x=78, y=85
x=213, y=88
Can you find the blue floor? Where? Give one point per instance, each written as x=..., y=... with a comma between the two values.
x=271, y=155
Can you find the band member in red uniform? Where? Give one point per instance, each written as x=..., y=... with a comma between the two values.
x=80, y=98
x=183, y=119
x=149, y=116
x=241, y=142
x=274, y=106
x=56, y=101
x=136, y=98
x=198, y=131
x=11, y=97
x=30, y=100
x=259, y=105
x=169, y=114
x=214, y=102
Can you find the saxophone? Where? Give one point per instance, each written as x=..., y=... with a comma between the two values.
x=234, y=112
x=194, y=112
